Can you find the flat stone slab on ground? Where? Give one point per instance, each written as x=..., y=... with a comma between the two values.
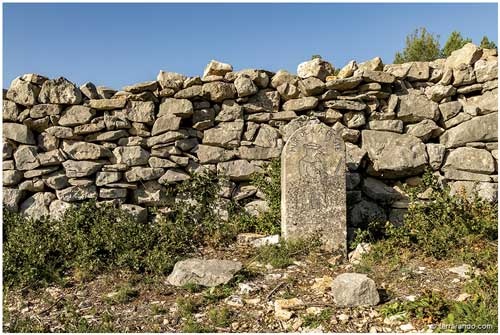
x=205, y=272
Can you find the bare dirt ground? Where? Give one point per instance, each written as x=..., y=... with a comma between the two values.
x=125, y=302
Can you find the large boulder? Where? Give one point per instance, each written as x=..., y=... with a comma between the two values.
x=479, y=129
x=226, y=134
x=60, y=91
x=354, y=289
x=486, y=70
x=215, y=68
x=245, y=86
x=107, y=104
x=26, y=158
x=140, y=111
x=77, y=169
x=300, y=104
x=219, y=91
x=11, y=198
x=84, y=151
x=18, y=133
x=315, y=68
x=176, y=107
x=131, y=155
x=166, y=123
x=76, y=115
x=171, y=80
x=467, y=55
x=77, y=193
x=58, y=208
x=414, y=108
x=23, y=92
x=173, y=176
x=238, y=170
x=210, y=154
x=394, y=155
x=471, y=160
x=205, y=272
x=43, y=110
x=37, y=206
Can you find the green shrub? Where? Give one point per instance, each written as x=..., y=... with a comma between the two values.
x=313, y=321
x=32, y=250
x=443, y=227
x=268, y=223
x=220, y=317
x=431, y=306
x=91, y=238
x=482, y=307
x=187, y=306
x=282, y=255
x=214, y=294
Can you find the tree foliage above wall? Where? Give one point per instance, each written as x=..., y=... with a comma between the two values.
x=424, y=46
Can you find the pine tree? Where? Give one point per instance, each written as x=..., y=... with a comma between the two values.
x=487, y=44
x=454, y=42
x=420, y=46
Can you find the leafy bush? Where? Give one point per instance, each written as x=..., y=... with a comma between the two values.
x=282, y=255
x=482, y=307
x=269, y=222
x=312, y=321
x=220, y=317
x=431, y=306
x=91, y=237
x=442, y=227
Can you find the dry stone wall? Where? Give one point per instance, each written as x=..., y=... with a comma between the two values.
x=64, y=144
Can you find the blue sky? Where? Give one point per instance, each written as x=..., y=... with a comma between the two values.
x=120, y=44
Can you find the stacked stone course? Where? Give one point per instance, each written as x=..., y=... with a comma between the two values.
x=64, y=144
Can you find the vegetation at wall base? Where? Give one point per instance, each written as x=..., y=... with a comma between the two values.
x=94, y=237
x=452, y=228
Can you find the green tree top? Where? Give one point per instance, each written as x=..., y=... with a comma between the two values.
x=487, y=44
x=454, y=42
x=420, y=46
x=424, y=47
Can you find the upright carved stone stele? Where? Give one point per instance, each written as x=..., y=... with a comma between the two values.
x=313, y=187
